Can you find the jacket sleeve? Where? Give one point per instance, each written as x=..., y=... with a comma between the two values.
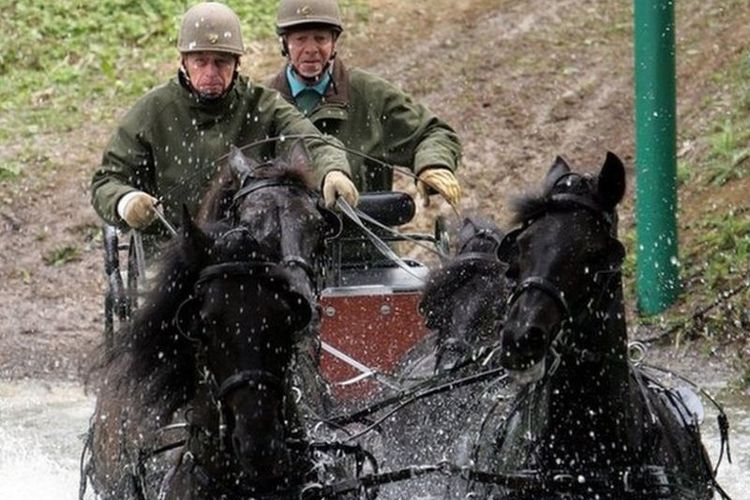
x=412, y=134
x=127, y=166
x=326, y=151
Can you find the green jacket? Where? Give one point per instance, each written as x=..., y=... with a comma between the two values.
x=167, y=144
x=371, y=116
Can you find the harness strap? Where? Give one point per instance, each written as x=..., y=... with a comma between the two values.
x=544, y=285
x=393, y=232
x=484, y=256
x=365, y=371
x=292, y=261
x=259, y=378
x=256, y=185
x=653, y=480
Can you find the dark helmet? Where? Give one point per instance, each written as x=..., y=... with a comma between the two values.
x=210, y=26
x=301, y=13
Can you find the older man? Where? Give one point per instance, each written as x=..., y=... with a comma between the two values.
x=165, y=147
x=368, y=114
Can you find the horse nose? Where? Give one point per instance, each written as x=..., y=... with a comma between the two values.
x=264, y=458
x=524, y=347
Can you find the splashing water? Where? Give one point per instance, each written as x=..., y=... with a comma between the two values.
x=41, y=437
x=42, y=427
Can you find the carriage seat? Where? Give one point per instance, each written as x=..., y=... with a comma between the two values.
x=390, y=208
x=369, y=304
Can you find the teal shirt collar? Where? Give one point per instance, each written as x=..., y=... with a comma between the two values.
x=297, y=86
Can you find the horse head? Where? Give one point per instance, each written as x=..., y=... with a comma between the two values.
x=460, y=301
x=241, y=317
x=562, y=258
x=279, y=205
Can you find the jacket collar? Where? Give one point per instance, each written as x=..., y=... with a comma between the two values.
x=337, y=93
x=296, y=86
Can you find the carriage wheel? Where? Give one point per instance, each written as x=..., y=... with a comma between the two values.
x=117, y=305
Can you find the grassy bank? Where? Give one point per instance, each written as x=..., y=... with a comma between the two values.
x=714, y=219
x=68, y=62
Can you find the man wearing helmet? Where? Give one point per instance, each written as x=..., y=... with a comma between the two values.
x=166, y=145
x=368, y=114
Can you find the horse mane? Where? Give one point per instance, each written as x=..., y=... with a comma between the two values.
x=441, y=288
x=476, y=235
x=219, y=196
x=150, y=358
x=531, y=205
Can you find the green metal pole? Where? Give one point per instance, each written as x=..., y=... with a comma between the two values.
x=656, y=168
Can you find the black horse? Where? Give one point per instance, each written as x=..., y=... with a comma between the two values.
x=215, y=339
x=591, y=425
x=459, y=379
x=463, y=302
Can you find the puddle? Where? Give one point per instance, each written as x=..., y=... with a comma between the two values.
x=42, y=426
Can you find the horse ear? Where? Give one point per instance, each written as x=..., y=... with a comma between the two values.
x=468, y=228
x=611, y=182
x=507, y=252
x=299, y=157
x=196, y=242
x=559, y=168
x=241, y=165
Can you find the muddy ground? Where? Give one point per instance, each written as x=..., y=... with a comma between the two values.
x=521, y=81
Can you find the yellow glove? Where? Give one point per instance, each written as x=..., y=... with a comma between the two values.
x=138, y=211
x=441, y=180
x=337, y=183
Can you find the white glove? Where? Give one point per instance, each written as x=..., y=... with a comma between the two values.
x=441, y=180
x=337, y=183
x=137, y=209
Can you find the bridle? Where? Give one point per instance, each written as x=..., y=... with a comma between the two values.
x=257, y=379
x=552, y=291
x=263, y=271
x=249, y=185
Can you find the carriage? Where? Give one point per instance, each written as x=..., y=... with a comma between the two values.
x=370, y=325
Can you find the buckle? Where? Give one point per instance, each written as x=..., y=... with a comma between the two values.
x=564, y=482
x=626, y=482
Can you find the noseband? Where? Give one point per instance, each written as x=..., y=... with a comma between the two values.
x=544, y=285
x=265, y=271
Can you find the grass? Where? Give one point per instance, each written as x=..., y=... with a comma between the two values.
x=726, y=236
x=715, y=257
x=62, y=255
x=730, y=151
x=63, y=59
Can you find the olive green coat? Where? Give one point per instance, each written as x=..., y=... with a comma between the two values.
x=168, y=143
x=371, y=116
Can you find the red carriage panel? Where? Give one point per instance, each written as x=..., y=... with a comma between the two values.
x=367, y=328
